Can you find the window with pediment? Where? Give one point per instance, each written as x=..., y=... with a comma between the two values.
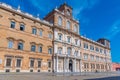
x=68, y=25
x=59, y=21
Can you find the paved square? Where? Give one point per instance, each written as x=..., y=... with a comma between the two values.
x=50, y=76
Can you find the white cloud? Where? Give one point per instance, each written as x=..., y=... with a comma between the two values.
x=114, y=30
x=79, y=7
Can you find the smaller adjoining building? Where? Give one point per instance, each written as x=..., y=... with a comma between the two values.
x=116, y=66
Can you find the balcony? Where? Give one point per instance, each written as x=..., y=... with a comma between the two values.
x=68, y=56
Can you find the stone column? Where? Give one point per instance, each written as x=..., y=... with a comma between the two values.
x=73, y=51
x=55, y=48
x=63, y=52
x=55, y=34
x=54, y=64
x=64, y=64
x=67, y=65
x=74, y=66
x=57, y=64
x=80, y=66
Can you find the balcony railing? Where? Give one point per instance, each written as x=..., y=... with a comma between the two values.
x=68, y=55
x=63, y=41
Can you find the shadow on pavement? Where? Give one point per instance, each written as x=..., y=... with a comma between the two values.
x=106, y=78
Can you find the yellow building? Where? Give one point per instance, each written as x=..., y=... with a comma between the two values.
x=29, y=44
x=25, y=42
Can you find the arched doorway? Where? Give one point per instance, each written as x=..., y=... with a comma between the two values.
x=70, y=65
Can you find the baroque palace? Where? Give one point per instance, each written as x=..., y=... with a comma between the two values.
x=54, y=44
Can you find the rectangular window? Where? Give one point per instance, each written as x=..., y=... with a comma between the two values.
x=101, y=50
x=97, y=66
x=49, y=64
x=92, y=57
x=33, y=48
x=22, y=27
x=85, y=46
x=86, y=65
x=8, y=62
x=34, y=31
x=91, y=47
x=69, y=51
x=18, y=63
x=7, y=70
x=50, y=35
x=12, y=24
x=31, y=70
x=41, y=33
x=59, y=50
x=39, y=64
x=97, y=58
x=20, y=46
x=17, y=70
x=97, y=49
x=85, y=56
x=31, y=63
x=40, y=49
x=76, y=42
x=10, y=44
x=76, y=53
x=50, y=50
x=104, y=51
x=68, y=39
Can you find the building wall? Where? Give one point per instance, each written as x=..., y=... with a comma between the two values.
x=28, y=38
x=86, y=59
x=115, y=67
x=102, y=57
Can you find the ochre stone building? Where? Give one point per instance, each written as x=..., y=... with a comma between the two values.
x=29, y=44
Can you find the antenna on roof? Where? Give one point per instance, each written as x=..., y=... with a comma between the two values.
x=18, y=7
x=38, y=15
x=56, y=7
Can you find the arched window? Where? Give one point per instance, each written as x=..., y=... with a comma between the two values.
x=60, y=36
x=59, y=21
x=68, y=25
x=59, y=50
x=68, y=50
x=75, y=28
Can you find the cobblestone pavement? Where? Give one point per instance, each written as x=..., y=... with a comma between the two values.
x=51, y=76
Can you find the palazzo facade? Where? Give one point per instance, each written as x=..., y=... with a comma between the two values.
x=73, y=52
x=29, y=44
x=25, y=42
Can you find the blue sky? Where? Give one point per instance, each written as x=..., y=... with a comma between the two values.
x=98, y=18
